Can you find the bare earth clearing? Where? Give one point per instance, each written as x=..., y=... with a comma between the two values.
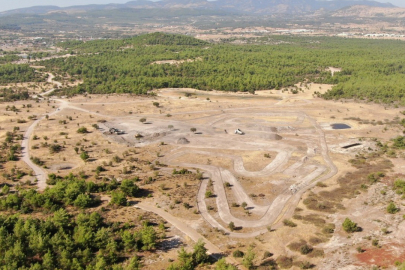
x=286, y=149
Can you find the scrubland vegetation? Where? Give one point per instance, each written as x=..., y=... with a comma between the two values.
x=66, y=226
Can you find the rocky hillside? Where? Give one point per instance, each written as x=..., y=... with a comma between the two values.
x=370, y=12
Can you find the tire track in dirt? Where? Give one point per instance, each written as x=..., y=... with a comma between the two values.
x=281, y=206
x=212, y=249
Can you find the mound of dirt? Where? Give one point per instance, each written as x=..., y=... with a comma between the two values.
x=157, y=134
x=182, y=140
x=275, y=137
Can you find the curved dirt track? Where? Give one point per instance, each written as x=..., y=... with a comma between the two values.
x=285, y=202
x=212, y=249
x=41, y=176
x=39, y=173
x=262, y=126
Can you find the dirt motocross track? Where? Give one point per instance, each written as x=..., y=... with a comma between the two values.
x=301, y=156
x=254, y=180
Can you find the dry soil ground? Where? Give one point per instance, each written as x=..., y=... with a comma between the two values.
x=287, y=147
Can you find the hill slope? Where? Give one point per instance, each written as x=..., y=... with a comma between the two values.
x=243, y=6
x=370, y=12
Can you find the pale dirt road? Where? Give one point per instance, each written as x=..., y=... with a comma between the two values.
x=332, y=170
x=26, y=61
x=269, y=213
x=40, y=174
x=213, y=250
x=49, y=80
x=212, y=139
x=281, y=207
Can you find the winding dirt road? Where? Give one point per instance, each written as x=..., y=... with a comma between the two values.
x=41, y=176
x=260, y=137
x=213, y=250
x=39, y=173
x=284, y=204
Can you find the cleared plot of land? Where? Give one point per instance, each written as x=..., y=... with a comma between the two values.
x=287, y=147
x=270, y=131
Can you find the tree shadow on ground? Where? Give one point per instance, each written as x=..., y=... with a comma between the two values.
x=170, y=243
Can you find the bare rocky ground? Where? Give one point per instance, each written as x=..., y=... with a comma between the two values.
x=287, y=148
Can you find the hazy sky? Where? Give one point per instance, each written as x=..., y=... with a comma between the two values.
x=13, y=4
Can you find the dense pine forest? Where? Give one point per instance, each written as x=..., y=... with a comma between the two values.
x=65, y=241
x=18, y=73
x=371, y=69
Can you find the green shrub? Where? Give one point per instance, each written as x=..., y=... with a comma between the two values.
x=248, y=259
x=118, y=198
x=392, y=208
x=231, y=226
x=129, y=187
x=82, y=130
x=238, y=253
x=208, y=194
x=305, y=265
x=305, y=249
x=84, y=156
x=289, y=223
x=83, y=201
x=349, y=226
x=37, y=161
x=223, y=265
x=55, y=148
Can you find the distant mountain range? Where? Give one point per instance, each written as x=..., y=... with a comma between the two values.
x=262, y=7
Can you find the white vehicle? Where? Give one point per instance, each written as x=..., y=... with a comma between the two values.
x=293, y=188
x=239, y=132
